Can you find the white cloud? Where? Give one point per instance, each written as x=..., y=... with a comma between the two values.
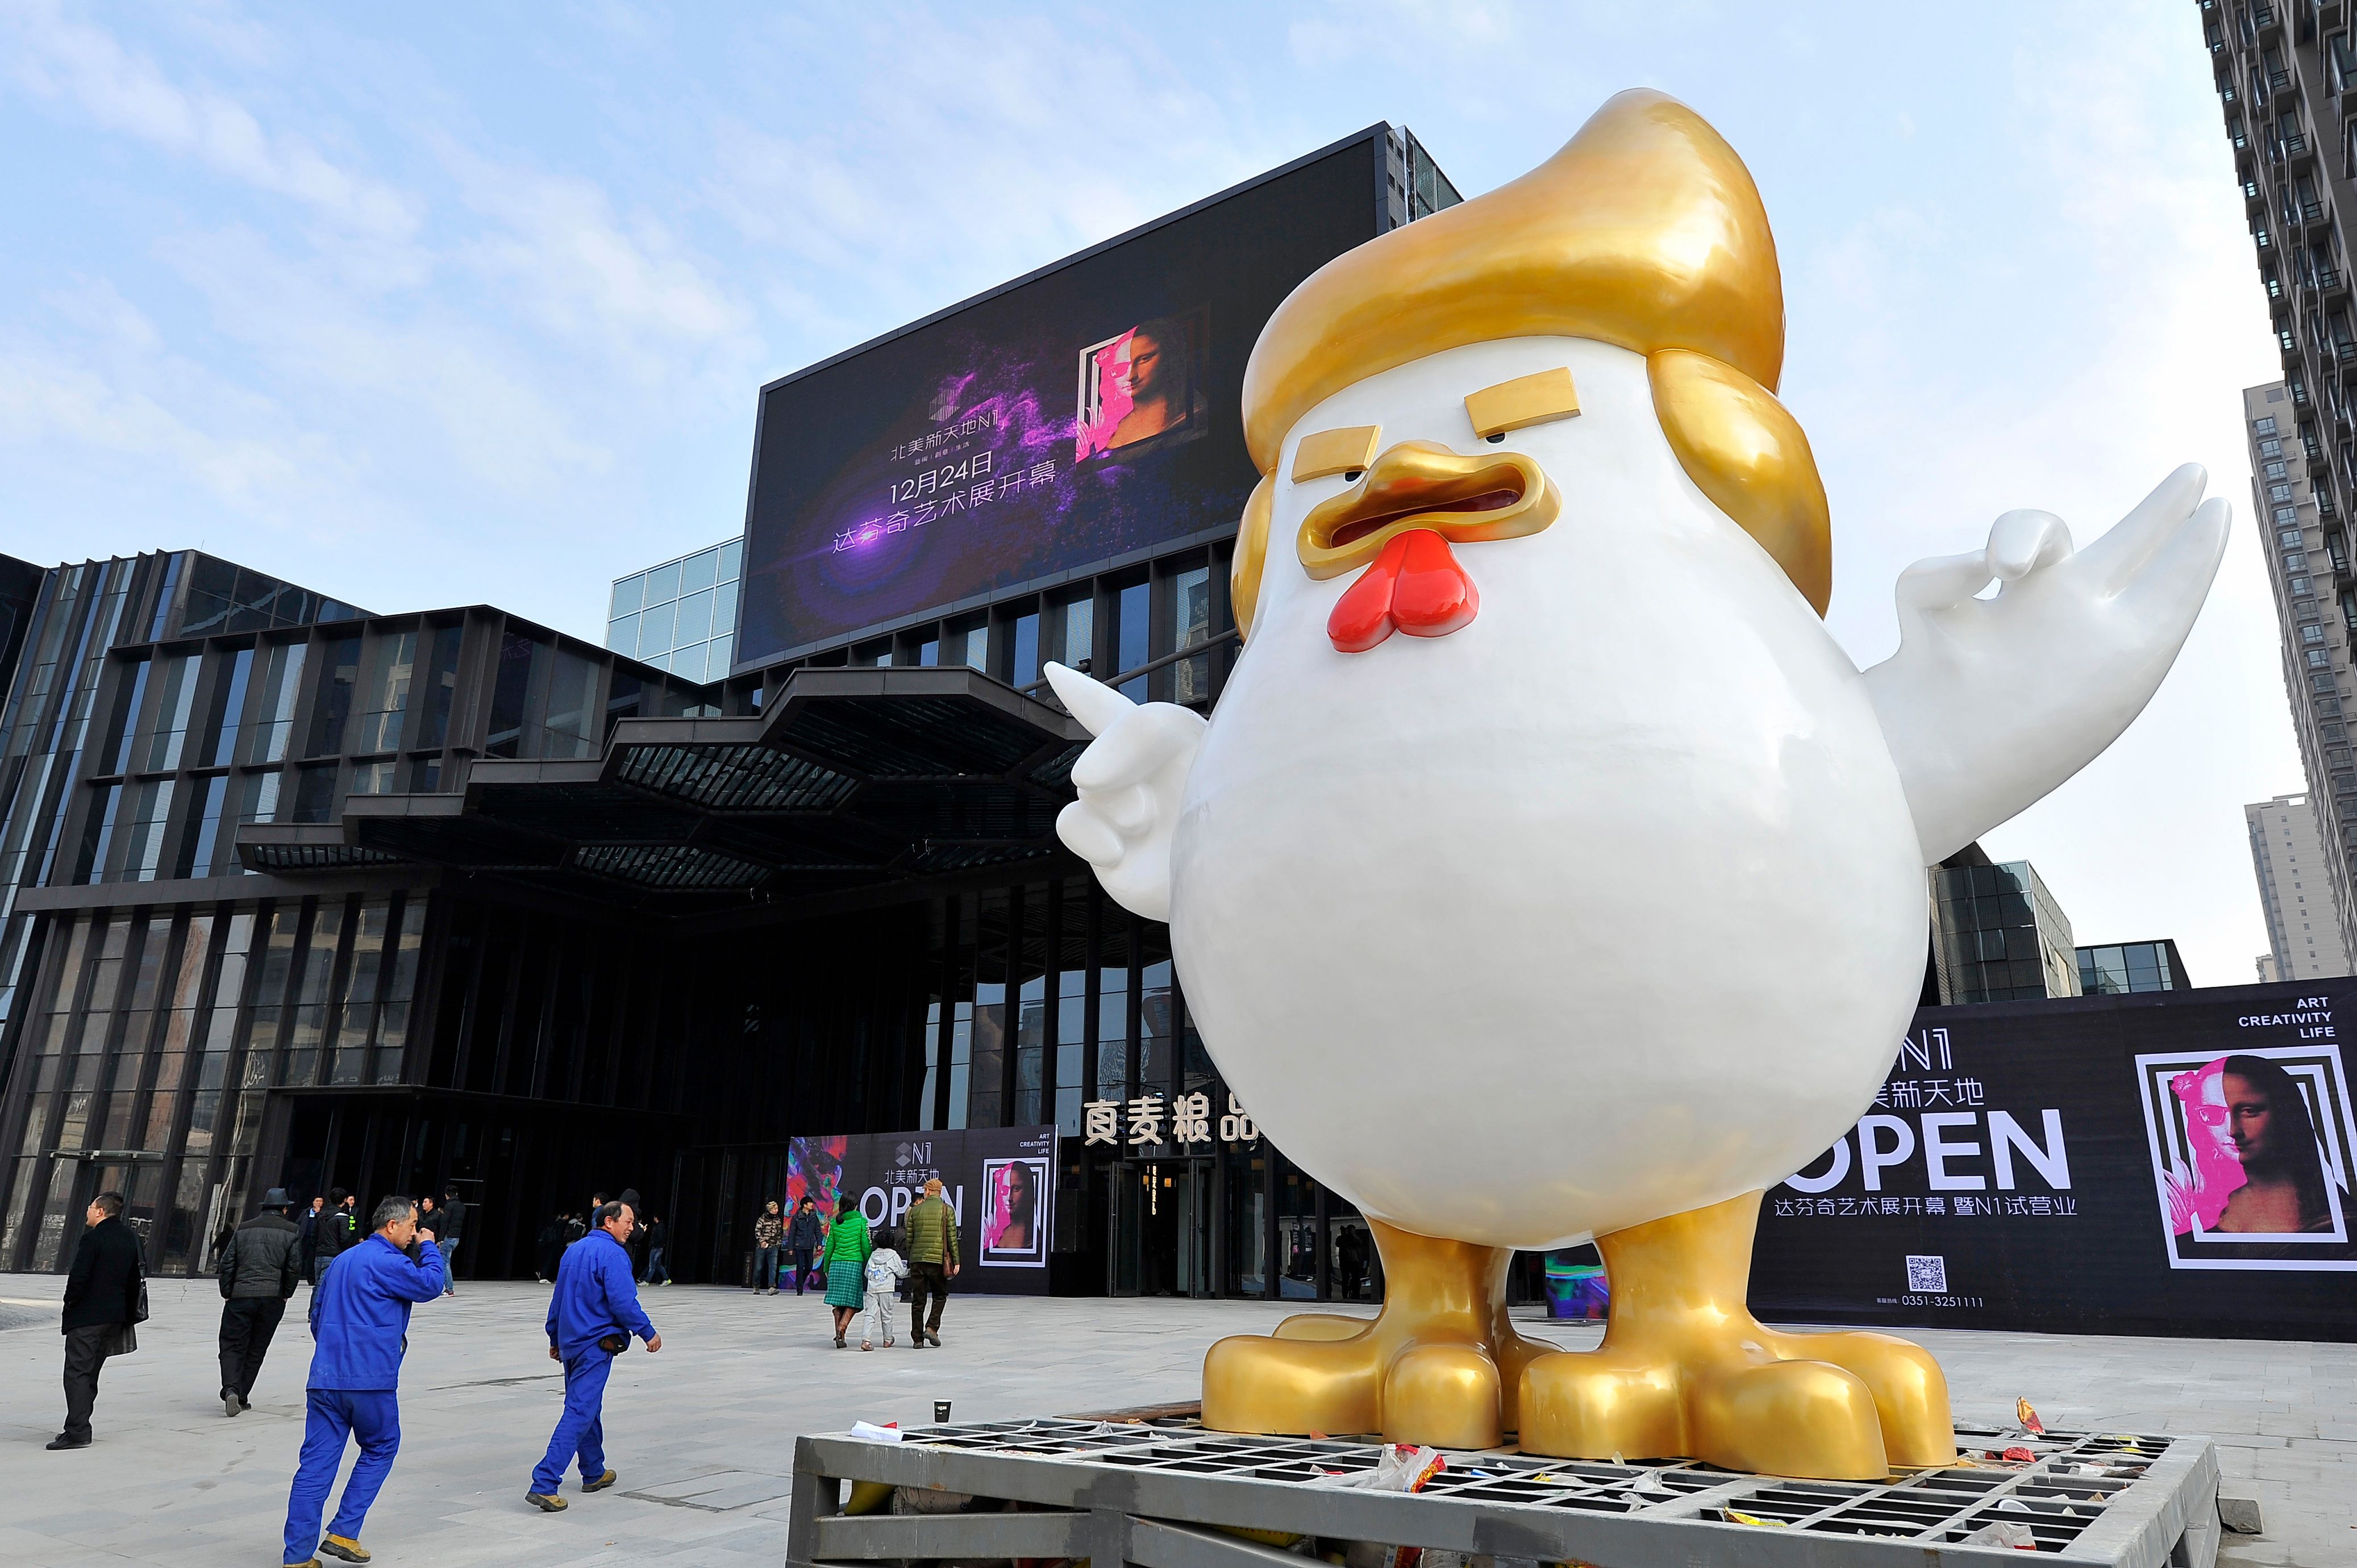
x=578, y=267
x=86, y=68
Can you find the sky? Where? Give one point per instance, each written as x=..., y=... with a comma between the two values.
x=415, y=316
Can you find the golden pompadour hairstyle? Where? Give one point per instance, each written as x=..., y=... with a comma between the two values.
x=1645, y=231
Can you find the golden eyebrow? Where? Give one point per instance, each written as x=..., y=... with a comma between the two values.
x=1335, y=452
x=1525, y=400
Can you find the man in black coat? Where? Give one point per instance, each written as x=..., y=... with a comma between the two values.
x=338, y=1229
x=259, y=1269
x=308, y=1241
x=101, y=1294
x=448, y=1232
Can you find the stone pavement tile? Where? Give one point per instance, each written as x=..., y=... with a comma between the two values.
x=740, y=1377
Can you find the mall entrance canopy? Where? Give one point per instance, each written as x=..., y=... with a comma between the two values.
x=850, y=781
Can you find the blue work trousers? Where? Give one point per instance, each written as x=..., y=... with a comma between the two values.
x=372, y=1415
x=581, y=1429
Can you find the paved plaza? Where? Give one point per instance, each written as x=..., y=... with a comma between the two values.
x=703, y=1434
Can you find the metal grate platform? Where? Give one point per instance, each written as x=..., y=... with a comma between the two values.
x=1159, y=1493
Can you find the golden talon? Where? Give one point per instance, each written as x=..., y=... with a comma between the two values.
x=1685, y=1371
x=1440, y=1365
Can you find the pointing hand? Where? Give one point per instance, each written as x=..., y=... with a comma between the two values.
x=1129, y=779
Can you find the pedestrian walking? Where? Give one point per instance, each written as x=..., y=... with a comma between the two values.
x=309, y=1241
x=359, y=1321
x=259, y=1269
x=768, y=1236
x=452, y=1230
x=102, y=1300
x=338, y=1230
x=845, y=1261
x=805, y=1234
x=547, y=1247
x=885, y=1271
x=592, y=1314
x=932, y=1233
x=574, y=1231
x=658, y=1271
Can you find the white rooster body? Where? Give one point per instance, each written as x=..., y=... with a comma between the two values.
x=1604, y=907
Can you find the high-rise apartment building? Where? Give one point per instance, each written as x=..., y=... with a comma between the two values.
x=2309, y=569
x=2306, y=938
x=2282, y=70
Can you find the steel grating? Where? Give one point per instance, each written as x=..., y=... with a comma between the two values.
x=314, y=857
x=735, y=778
x=2125, y=1500
x=666, y=866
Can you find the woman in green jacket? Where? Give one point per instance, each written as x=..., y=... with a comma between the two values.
x=845, y=1261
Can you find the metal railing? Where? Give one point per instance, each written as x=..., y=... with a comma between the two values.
x=1149, y=667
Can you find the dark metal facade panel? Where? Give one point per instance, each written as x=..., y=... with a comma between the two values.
x=583, y=813
x=911, y=737
x=857, y=777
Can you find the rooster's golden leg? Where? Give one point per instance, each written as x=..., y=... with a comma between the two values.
x=1686, y=1370
x=1439, y=1364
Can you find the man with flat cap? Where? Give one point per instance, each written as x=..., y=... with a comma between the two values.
x=259, y=1271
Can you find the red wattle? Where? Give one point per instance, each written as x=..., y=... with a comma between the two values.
x=1415, y=585
x=1433, y=596
x=1363, y=616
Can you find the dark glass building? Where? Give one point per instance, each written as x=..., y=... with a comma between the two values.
x=312, y=898
x=2121, y=968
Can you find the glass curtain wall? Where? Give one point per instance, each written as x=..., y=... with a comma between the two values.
x=679, y=616
x=142, y=1072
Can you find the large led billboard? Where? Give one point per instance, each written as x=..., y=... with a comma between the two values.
x=1083, y=413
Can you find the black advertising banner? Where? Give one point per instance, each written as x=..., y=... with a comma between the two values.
x=1000, y=1180
x=2173, y=1163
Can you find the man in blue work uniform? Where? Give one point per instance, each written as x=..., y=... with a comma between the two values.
x=359, y=1316
x=592, y=1314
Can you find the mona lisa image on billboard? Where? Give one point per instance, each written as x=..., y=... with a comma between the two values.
x=1014, y=1223
x=2250, y=1156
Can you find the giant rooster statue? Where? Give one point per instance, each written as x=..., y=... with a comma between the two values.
x=1546, y=871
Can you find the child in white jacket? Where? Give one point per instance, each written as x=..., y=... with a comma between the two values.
x=885, y=1270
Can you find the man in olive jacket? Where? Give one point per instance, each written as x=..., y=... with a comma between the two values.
x=101, y=1293
x=932, y=1230
x=259, y=1271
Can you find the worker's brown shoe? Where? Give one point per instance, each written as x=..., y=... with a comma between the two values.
x=601, y=1484
x=545, y=1503
x=344, y=1547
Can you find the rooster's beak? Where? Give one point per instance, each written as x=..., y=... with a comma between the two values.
x=1399, y=520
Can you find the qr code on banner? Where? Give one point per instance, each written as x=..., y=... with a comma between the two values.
x=1927, y=1276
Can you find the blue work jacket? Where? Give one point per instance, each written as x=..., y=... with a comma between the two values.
x=595, y=1296
x=359, y=1313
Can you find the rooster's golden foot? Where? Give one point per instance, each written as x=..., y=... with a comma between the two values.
x=1438, y=1366
x=1685, y=1371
